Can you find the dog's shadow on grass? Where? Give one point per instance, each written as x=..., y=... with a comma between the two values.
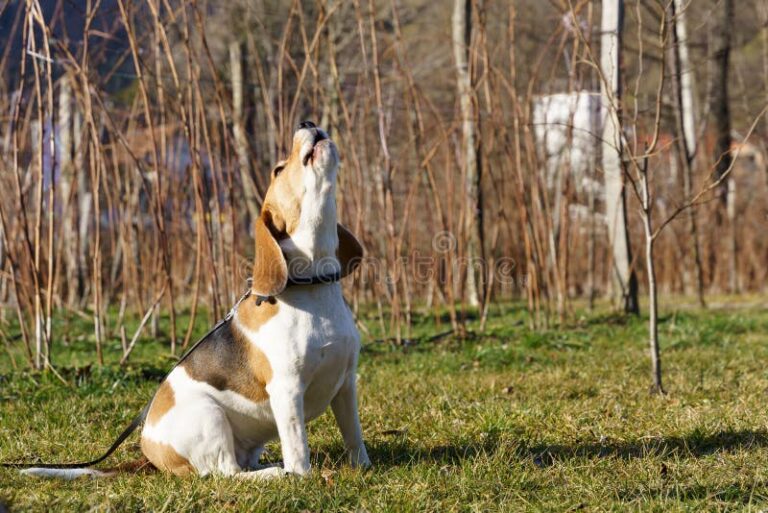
x=398, y=453
x=400, y=450
x=740, y=492
x=692, y=445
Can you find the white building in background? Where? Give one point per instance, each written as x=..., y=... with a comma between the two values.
x=567, y=129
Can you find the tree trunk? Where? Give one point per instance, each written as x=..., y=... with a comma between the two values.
x=734, y=287
x=473, y=223
x=624, y=278
x=682, y=80
x=83, y=211
x=250, y=192
x=721, y=23
x=69, y=219
x=763, y=9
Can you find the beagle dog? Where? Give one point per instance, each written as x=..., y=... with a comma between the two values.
x=279, y=362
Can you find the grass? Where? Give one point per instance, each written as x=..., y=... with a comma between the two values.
x=510, y=420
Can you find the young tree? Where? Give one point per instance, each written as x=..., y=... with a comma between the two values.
x=624, y=278
x=639, y=174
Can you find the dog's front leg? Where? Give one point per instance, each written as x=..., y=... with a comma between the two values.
x=344, y=407
x=287, y=402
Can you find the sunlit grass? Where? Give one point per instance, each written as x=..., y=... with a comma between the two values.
x=505, y=420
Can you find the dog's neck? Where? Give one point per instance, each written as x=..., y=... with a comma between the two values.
x=311, y=248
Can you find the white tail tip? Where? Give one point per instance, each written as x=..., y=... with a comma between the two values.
x=64, y=473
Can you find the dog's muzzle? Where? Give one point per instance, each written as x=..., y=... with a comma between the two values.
x=318, y=135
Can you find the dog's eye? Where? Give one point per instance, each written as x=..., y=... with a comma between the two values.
x=278, y=170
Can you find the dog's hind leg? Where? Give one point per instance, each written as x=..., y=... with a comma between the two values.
x=248, y=458
x=200, y=434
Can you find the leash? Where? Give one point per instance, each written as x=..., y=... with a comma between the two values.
x=139, y=419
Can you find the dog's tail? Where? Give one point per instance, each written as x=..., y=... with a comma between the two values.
x=64, y=473
x=75, y=470
x=140, y=466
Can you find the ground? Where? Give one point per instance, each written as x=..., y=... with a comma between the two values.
x=506, y=420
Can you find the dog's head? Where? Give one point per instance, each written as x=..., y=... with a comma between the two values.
x=299, y=212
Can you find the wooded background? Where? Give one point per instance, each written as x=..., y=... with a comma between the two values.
x=136, y=140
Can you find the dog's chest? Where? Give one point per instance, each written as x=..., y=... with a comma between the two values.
x=312, y=338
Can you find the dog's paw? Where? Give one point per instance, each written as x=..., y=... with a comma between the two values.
x=263, y=474
x=363, y=464
x=359, y=459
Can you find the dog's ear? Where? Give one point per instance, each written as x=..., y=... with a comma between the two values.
x=270, y=272
x=349, y=252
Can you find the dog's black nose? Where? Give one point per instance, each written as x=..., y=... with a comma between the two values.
x=307, y=124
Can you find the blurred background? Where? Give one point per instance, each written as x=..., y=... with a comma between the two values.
x=491, y=151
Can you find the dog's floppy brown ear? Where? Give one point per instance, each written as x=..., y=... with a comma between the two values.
x=350, y=251
x=270, y=272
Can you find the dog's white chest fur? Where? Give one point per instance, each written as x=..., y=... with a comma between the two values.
x=312, y=340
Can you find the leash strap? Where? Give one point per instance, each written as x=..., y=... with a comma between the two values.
x=135, y=423
x=139, y=419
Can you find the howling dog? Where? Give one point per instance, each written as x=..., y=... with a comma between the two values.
x=288, y=349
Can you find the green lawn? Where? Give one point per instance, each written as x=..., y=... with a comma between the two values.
x=508, y=420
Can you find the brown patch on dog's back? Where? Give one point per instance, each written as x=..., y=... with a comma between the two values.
x=227, y=360
x=256, y=390
x=163, y=401
x=165, y=457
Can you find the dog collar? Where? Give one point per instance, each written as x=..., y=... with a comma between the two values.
x=314, y=280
